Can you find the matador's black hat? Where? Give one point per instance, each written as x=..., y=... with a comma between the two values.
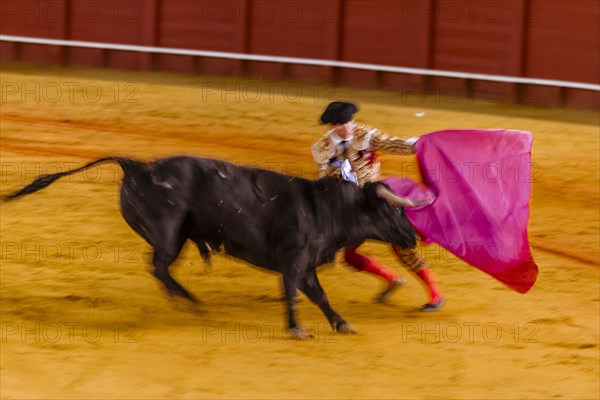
x=338, y=112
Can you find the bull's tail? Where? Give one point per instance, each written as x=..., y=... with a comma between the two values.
x=45, y=180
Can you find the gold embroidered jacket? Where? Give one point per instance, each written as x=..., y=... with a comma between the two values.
x=360, y=152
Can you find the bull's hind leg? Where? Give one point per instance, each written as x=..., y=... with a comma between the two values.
x=161, y=261
x=147, y=209
x=312, y=288
x=165, y=253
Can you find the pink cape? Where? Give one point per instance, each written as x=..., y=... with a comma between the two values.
x=478, y=190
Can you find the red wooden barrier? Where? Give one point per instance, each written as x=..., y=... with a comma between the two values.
x=523, y=38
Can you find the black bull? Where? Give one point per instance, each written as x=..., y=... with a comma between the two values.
x=279, y=222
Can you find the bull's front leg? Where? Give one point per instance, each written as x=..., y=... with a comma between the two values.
x=311, y=286
x=290, y=283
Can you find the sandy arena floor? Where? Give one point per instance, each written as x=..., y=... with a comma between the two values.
x=82, y=317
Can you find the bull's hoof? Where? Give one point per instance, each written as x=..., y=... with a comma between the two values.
x=344, y=327
x=184, y=294
x=394, y=285
x=299, y=333
x=433, y=307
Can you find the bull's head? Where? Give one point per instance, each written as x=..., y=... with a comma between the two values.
x=386, y=218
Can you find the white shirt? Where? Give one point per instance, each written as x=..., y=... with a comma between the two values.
x=336, y=140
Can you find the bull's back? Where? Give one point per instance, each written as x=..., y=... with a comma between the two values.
x=249, y=209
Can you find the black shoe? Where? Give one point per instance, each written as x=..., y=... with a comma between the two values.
x=433, y=307
x=395, y=284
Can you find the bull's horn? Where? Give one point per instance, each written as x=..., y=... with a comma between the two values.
x=393, y=198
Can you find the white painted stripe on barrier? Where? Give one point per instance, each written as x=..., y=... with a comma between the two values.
x=296, y=60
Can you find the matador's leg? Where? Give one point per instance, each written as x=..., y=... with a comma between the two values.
x=366, y=264
x=413, y=261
